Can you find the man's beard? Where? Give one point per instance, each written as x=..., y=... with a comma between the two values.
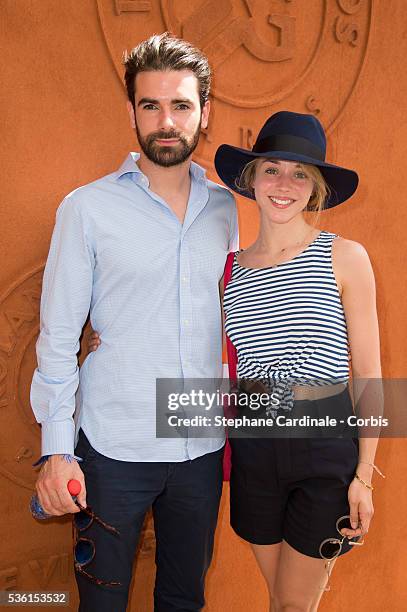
x=168, y=156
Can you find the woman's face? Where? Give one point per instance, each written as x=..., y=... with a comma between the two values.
x=282, y=189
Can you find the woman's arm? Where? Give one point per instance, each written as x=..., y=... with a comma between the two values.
x=354, y=275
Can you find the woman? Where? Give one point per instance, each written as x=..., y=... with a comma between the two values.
x=300, y=302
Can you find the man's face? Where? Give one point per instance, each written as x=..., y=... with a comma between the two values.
x=168, y=115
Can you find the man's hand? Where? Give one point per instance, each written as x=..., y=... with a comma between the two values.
x=52, y=486
x=94, y=342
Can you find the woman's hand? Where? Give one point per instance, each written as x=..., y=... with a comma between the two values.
x=94, y=342
x=360, y=503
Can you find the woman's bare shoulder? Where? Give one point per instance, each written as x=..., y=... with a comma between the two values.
x=351, y=262
x=349, y=251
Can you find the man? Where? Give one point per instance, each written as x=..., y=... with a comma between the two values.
x=143, y=249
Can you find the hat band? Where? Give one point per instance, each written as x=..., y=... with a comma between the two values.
x=290, y=144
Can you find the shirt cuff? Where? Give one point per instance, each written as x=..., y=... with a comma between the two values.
x=58, y=437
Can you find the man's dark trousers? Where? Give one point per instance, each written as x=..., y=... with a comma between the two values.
x=185, y=501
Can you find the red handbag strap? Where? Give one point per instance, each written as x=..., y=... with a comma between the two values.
x=232, y=362
x=231, y=350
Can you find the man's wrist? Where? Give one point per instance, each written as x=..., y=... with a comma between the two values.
x=67, y=457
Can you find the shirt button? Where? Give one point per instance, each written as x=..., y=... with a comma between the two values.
x=185, y=278
x=186, y=321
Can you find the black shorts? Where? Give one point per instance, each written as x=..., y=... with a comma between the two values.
x=292, y=489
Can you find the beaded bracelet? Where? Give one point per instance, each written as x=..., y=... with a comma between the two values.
x=67, y=457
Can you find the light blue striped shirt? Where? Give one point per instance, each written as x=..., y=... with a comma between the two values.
x=150, y=284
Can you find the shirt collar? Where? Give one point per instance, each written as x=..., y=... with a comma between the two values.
x=129, y=166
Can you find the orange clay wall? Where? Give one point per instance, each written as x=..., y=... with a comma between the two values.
x=64, y=123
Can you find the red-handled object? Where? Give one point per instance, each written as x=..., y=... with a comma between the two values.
x=74, y=487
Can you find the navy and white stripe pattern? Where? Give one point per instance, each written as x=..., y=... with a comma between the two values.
x=287, y=321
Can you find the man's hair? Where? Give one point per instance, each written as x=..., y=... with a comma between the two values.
x=165, y=52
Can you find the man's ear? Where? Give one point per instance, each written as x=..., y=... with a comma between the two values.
x=205, y=114
x=130, y=110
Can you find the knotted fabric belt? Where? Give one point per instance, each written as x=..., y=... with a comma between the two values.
x=300, y=392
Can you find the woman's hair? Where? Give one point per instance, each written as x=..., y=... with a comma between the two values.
x=319, y=194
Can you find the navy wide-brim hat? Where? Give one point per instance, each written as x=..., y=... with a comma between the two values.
x=293, y=137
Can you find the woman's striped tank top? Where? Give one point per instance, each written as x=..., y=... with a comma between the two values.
x=287, y=321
